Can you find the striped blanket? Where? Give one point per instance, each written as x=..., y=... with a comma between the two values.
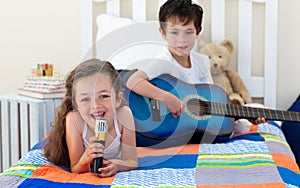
x=261, y=158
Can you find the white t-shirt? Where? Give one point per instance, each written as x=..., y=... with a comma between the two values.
x=164, y=63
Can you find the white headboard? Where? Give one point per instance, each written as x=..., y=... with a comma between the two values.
x=258, y=86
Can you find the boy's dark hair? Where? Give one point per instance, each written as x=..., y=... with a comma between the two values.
x=183, y=10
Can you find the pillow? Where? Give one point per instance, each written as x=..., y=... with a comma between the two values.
x=125, y=42
x=291, y=131
x=107, y=23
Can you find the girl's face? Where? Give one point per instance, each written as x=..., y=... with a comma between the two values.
x=95, y=97
x=181, y=38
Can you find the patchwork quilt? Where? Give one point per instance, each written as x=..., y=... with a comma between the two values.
x=261, y=158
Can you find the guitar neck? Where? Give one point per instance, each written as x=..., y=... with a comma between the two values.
x=237, y=111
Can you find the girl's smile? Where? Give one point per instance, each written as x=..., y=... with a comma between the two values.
x=97, y=101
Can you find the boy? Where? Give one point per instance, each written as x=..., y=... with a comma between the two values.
x=180, y=25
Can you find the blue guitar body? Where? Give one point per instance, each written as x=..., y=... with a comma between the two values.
x=155, y=124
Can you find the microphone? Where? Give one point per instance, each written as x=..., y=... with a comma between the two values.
x=101, y=128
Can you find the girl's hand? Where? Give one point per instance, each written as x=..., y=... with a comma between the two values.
x=109, y=169
x=94, y=150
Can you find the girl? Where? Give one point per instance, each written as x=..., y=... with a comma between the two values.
x=94, y=90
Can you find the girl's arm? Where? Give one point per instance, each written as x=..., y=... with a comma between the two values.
x=128, y=141
x=79, y=157
x=128, y=159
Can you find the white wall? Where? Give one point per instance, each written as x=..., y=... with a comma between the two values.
x=288, y=80
x=40, y=30
x=34, y=31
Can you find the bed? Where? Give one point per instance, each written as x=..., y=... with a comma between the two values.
x=258, y=158
x=261, y=158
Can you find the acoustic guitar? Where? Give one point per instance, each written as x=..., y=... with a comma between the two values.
x=207, y=109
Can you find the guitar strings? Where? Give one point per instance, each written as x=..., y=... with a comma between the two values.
x=199, y=107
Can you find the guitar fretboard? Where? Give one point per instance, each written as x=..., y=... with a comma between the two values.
x=238, y=111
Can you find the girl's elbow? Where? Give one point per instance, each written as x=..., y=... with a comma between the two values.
x=135, y=165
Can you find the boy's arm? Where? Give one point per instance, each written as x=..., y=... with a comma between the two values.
x=139, y=83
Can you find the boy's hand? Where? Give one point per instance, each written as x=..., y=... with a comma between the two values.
x=258, y=121
x=175, y=105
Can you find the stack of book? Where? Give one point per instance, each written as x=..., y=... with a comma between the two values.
x=43, y=87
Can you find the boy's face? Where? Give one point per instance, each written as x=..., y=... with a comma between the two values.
x=181, y=38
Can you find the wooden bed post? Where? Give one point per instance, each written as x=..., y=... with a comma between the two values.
x=271, y=52
x=264, y=86
x=217, y=24
x=86, y=27
x=258, y=86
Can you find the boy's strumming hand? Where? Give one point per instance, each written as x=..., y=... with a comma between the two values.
x=175, y=105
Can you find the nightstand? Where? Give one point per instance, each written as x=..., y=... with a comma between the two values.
x=24, y=122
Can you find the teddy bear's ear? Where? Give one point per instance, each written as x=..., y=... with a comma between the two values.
x=228, y=44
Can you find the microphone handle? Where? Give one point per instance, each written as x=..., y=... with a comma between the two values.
x=98, y=162
x=101, y=128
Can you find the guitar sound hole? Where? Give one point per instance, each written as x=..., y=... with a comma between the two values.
x=197, y=107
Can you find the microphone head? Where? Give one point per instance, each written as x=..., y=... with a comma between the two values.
x=101, y=128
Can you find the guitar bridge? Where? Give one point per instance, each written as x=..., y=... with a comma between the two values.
x=155, y=109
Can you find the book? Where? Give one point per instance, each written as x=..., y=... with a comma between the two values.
x=44, y=90
x=41, y=95
x=44, y=84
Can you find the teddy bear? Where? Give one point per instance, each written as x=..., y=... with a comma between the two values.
x=220, y=56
